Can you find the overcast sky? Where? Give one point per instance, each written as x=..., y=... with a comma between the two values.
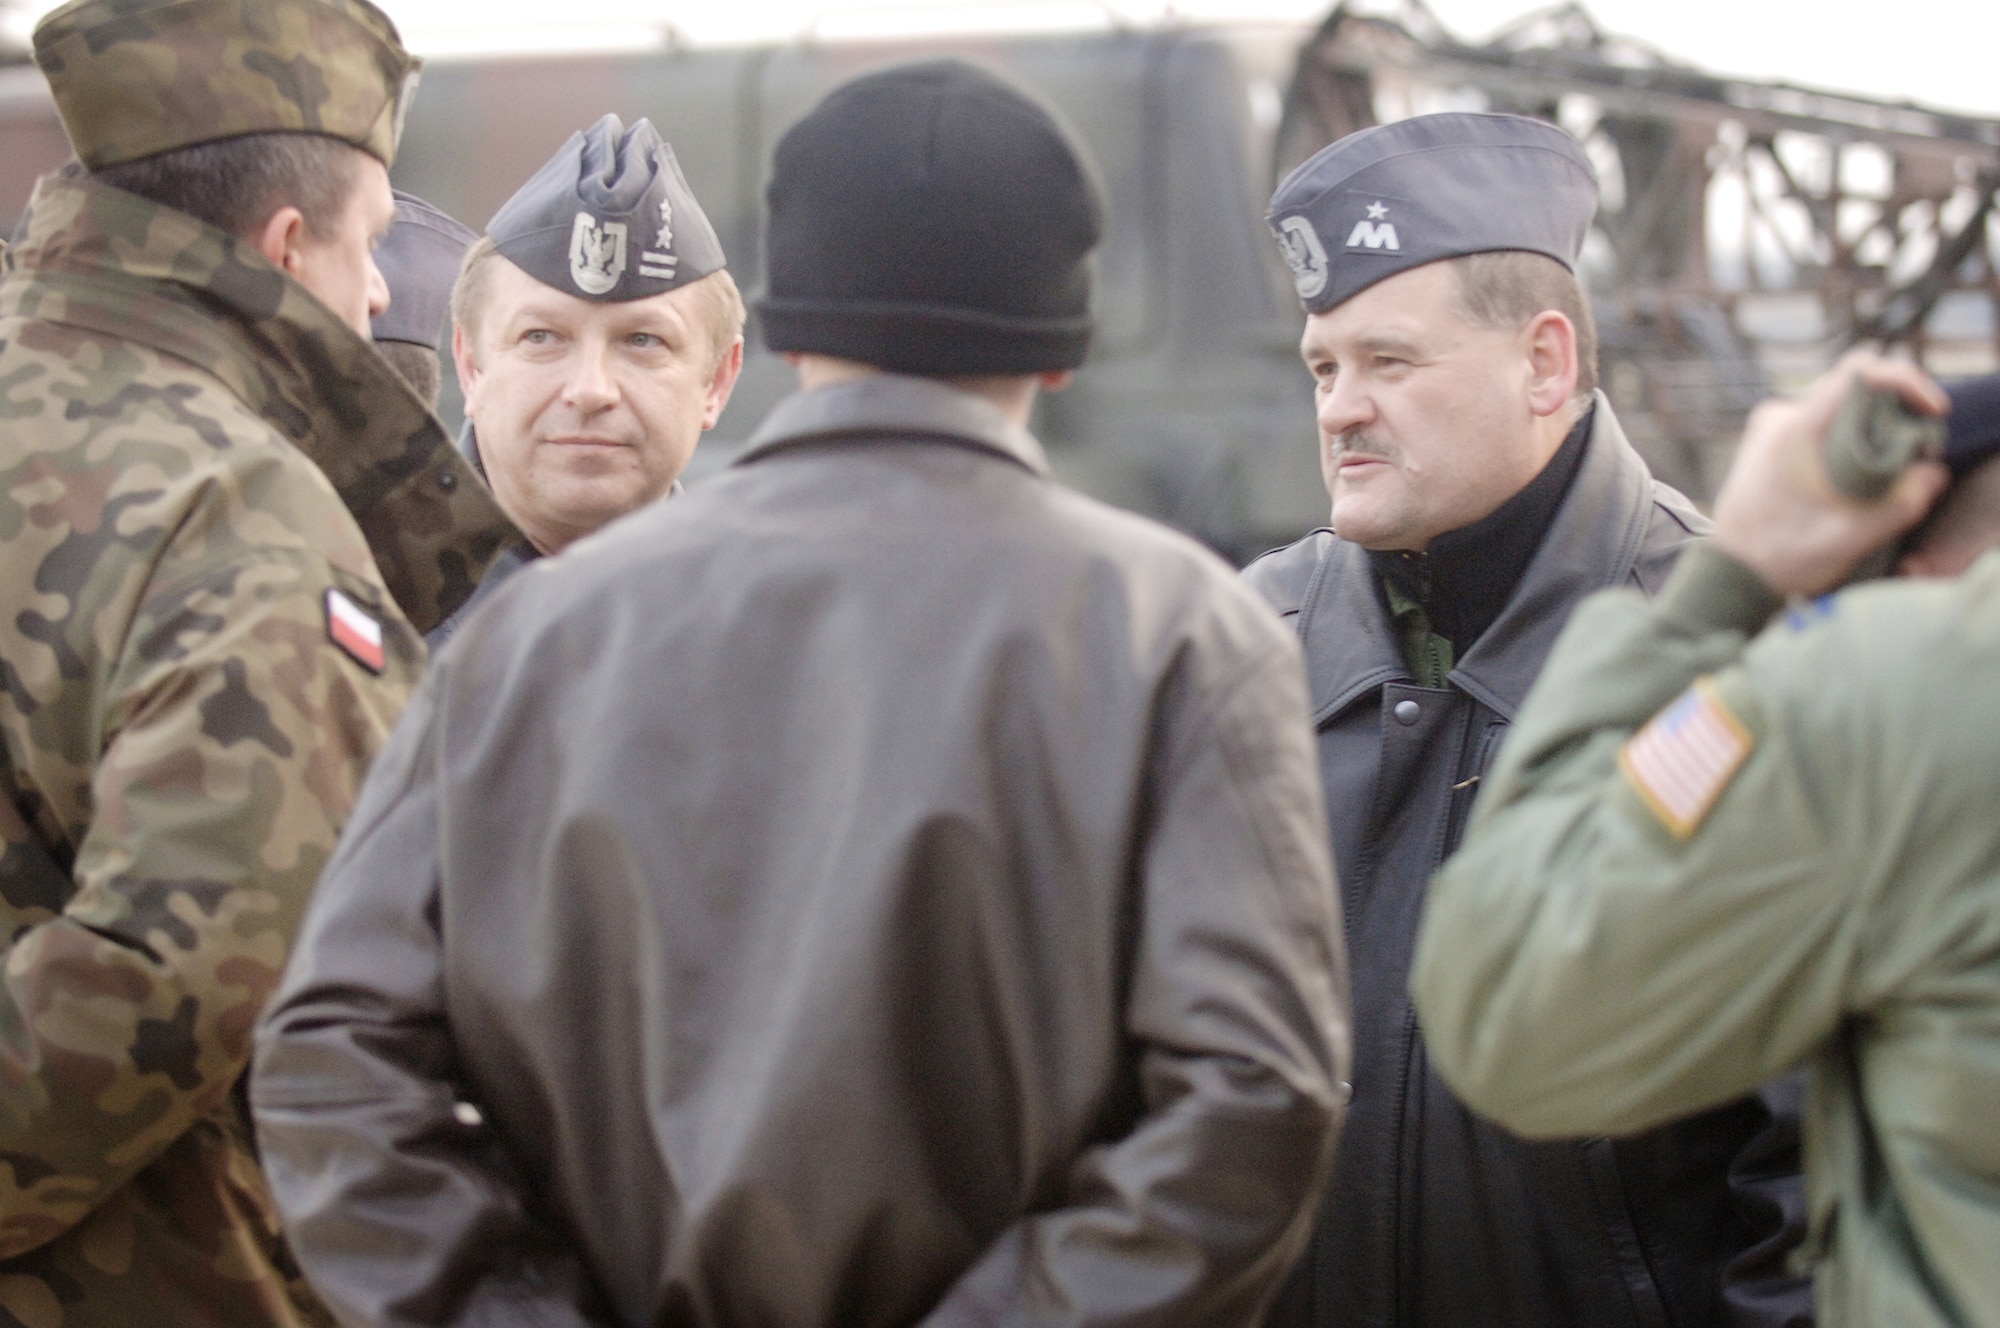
x=1945, y=53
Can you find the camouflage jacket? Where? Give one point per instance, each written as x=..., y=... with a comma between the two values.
x=184, y=730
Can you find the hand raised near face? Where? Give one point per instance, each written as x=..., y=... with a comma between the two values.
x=1779, y=512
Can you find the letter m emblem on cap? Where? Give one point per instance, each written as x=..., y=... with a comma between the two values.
x=1372, y=232
x=1373, y=235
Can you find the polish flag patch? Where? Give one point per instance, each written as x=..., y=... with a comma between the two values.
x=355, y=630
x=1685, y=757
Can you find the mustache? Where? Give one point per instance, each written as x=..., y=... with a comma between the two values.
x=1363, y=443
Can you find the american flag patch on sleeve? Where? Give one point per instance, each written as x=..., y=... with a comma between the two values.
x=1685, y=756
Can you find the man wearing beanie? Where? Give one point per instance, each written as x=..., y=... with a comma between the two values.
x=880, y=886
x=201, y=650
x=597, y=334
x=1481, y=487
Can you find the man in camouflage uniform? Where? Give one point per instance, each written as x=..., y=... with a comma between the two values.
x=199, y=652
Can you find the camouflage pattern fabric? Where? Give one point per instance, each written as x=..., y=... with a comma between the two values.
x=135, y=77
x=183, y=740
x=430, y=520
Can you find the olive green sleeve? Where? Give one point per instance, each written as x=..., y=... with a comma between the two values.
x=228, y=738
x=1587, y=967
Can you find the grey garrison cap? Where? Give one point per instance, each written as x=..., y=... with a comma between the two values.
x=609, y=218
x=1396, y=196
x=419, y=258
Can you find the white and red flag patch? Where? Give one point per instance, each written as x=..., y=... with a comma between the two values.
x=1685, y=757
x=355, y=630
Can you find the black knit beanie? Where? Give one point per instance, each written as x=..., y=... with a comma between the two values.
x=932, y=219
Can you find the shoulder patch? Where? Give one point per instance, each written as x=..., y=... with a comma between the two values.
x=1801, y=616
x=355, y=630
x=1685, y=757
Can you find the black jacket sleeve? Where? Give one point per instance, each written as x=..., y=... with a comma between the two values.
x=400, y=1204
x=1196, y=1213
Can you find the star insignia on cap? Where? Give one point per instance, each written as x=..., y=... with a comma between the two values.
x=1376, y=212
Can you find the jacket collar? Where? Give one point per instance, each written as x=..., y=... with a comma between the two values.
x=1464, y=580
x=894, y=405
x=1592, y=543
x=114, y=263
x=100, y=258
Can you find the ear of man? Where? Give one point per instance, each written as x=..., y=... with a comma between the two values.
x=465, y=362
x=721, y=384
x=1550, y=342
x=280, y=237
x=1507, y=290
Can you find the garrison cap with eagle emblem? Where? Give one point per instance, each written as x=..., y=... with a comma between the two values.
x=1397, y=196
x=134, y=78
x=609, y=218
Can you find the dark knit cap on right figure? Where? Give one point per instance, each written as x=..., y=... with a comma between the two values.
x=932, y=219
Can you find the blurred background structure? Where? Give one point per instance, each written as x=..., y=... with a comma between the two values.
x=1751, y=229
x=1748, y=231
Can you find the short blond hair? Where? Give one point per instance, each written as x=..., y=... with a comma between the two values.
x=719, y=303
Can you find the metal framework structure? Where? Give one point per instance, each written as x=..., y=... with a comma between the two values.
x=14, y=22
x=1749, y=231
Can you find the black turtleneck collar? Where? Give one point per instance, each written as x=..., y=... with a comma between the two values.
x=1467, y=575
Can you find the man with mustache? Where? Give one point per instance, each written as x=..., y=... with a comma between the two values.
x=1481, y=487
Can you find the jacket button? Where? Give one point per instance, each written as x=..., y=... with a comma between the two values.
x=1406, y=712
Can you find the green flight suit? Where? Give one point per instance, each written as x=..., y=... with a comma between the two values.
x=1798, y=862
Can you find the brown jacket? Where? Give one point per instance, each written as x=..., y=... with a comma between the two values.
x=880, y=886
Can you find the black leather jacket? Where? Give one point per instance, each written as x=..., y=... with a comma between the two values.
x=1436, y=1217
x=879, y=886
